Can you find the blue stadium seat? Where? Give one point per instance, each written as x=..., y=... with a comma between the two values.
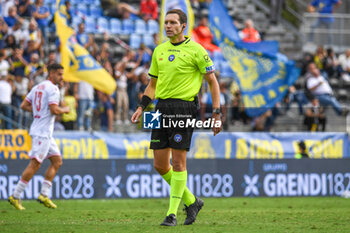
x=102, y=25
x=128, y=26
x=152, y=26
x=82, y=8
x=140, y=26
x=90, y=25
x=96, y=2
x=76, y=20
x=135, y=41
x=47, y=2
x=115, y=26
x=95, y=11
x=74, y=2
x=225, y=69
x=147, y=39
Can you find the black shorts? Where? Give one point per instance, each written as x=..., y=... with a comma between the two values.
x=174, y=110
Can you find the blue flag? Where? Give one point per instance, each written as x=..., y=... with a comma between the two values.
x=263, y=74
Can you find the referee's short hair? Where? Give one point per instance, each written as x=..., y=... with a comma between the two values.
x=180, y=13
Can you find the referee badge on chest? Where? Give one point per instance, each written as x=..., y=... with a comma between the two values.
x=171, y=57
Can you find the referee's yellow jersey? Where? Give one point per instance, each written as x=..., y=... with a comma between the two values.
x=179, y=69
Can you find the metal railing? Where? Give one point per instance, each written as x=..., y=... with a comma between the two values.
x=327, y=29
x=13, y=121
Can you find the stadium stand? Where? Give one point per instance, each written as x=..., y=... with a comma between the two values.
x=124, y=33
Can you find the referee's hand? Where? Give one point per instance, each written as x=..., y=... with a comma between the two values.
x=217, y=118
x=136, y=116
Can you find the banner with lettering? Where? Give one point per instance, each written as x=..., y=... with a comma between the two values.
x=15, y=144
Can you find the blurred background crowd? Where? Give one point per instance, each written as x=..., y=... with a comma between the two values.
x=121, y=37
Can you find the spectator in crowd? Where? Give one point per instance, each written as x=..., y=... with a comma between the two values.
x=155, y=41
x=25, y=8
x=87, y=41
x=249, y=33
x=344, y=61
x=207, y=106
x=201, y=4
x=35, y=71
x=4, y=64
x=10, y=45
x=302, y=153
x=84, y=93
x=52, y=58
x=331, y=65
x=41, y=14
x=238, y=109
x=315, y=119
x=21, y=90
x=17, y=62
x=106, y=117
x=203, y=36
x=307, y=59
x=321, y=89
x=325, y=8
x=5, y=5
x=21, y=35
x=122, y=98
x=227, y=99
x=260, y=121
x=117, y=9
x=3, y=32
x=143, y=54
x=144, y=80
x=149, y=9
x=270, y=120
x=276, y=11
x=298, y=96
x=12, y=17
x=320, y=58
x=35, y=42
x=67, y=11
x=104, y=58
x=6, y=89
x=69, y=119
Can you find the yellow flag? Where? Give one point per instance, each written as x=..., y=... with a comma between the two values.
x=78, y=64
x=183, y=5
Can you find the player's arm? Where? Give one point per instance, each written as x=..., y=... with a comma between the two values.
x=26, y=106
x=215, y=95
x=57, y=110
x=147, y=98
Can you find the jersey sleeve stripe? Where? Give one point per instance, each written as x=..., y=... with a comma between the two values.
x=28, y=100
x=152, y=76
x=51, y=103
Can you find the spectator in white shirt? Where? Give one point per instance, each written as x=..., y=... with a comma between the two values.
x=344, y=61
x=5, y=102
x=321, y=89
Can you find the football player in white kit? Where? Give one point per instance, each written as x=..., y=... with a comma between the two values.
x=43, y=100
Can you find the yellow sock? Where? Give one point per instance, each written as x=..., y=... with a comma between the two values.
x=177, y=187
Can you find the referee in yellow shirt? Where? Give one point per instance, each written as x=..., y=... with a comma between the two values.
x=176, y=72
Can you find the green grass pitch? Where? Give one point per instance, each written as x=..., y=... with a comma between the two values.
x=329, y=215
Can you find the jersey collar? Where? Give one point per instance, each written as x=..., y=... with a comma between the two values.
x=187, y=39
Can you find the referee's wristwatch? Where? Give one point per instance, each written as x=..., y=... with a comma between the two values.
x=216, y=111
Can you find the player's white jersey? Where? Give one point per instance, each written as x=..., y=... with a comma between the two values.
x=41, y=97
